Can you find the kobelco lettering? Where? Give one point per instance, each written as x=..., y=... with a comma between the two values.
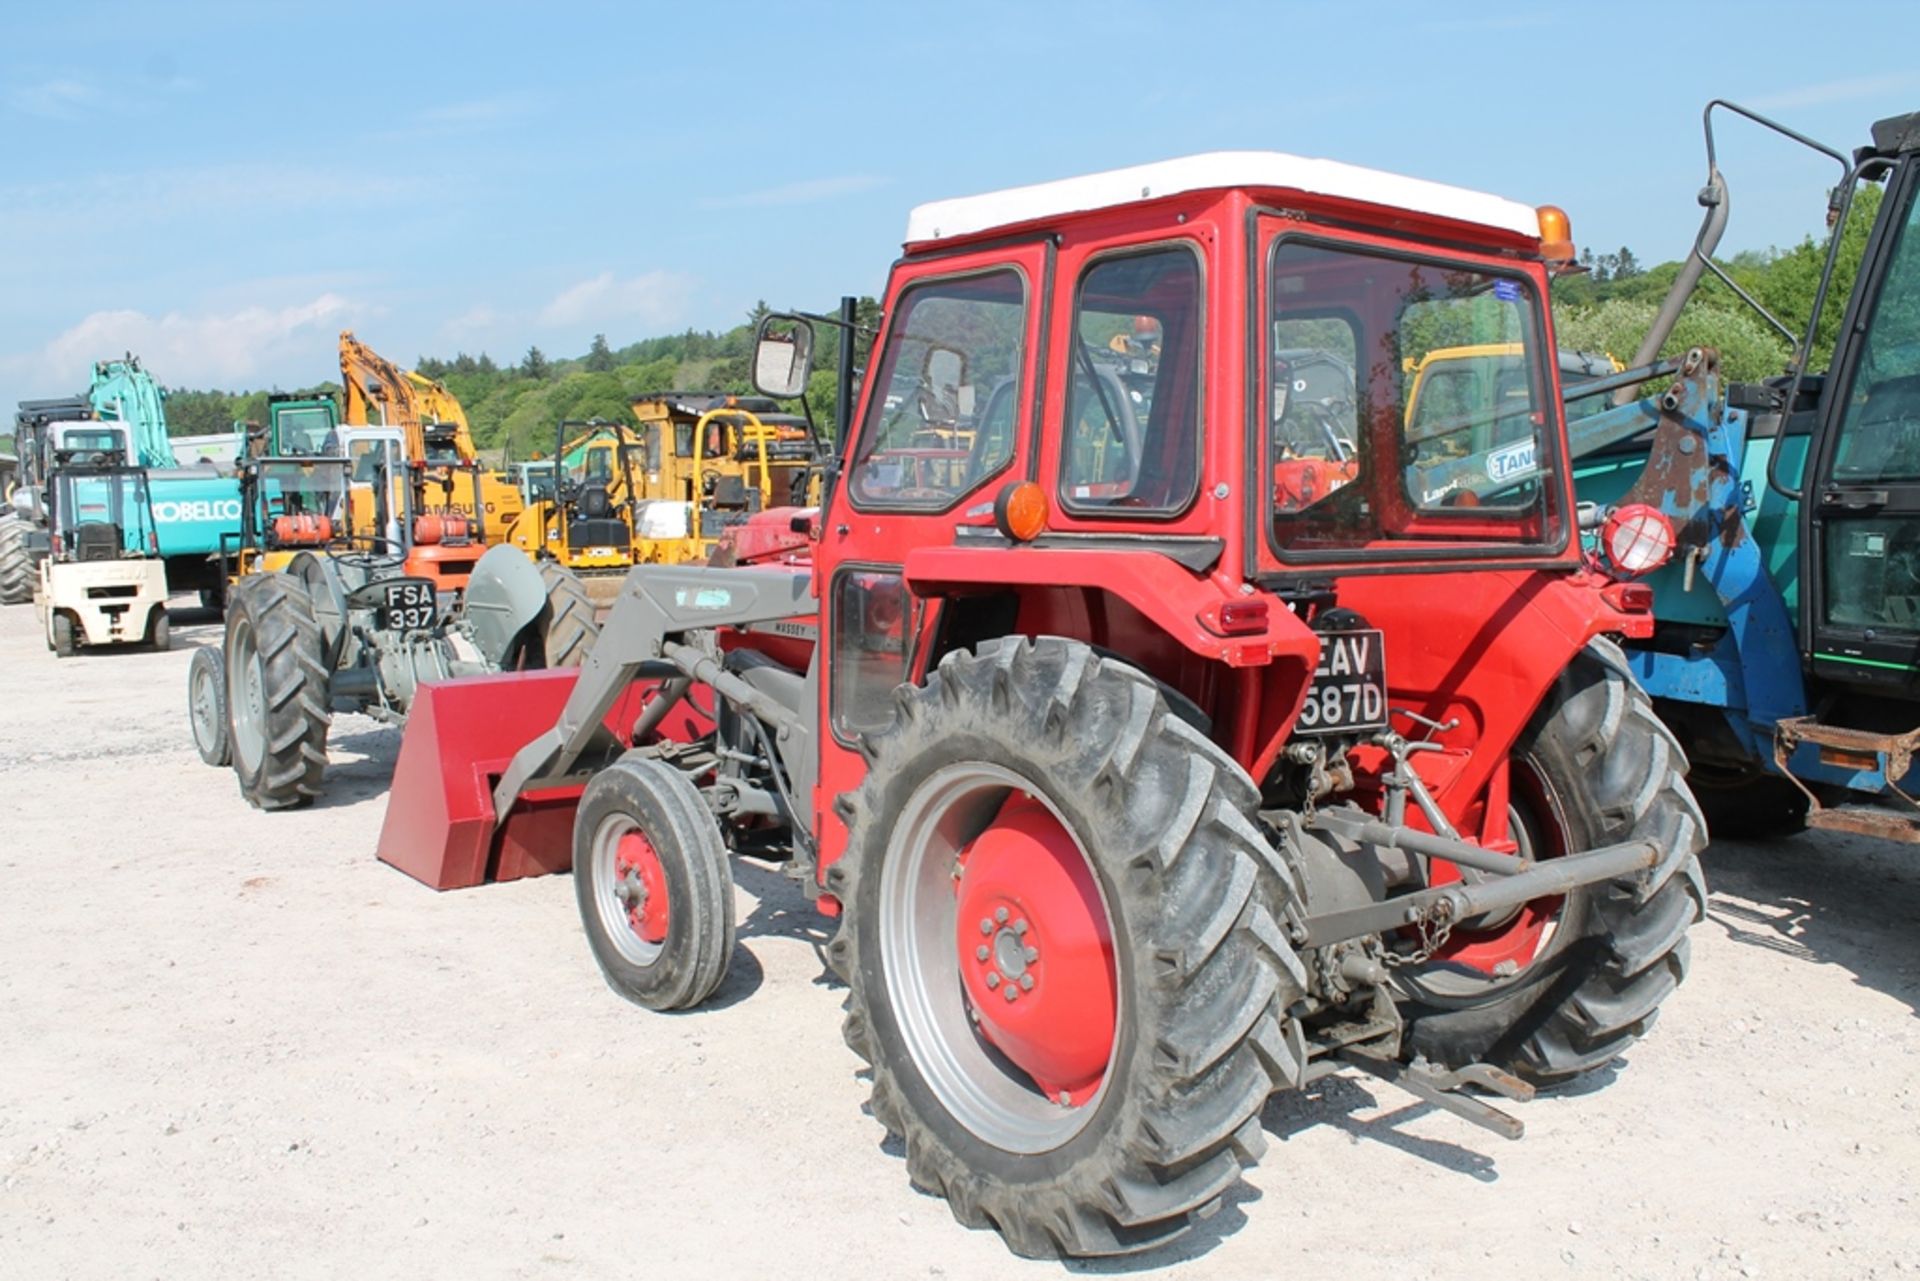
x=169, y=511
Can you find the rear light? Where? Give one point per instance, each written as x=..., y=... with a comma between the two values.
x=1240, y=617
x=1629, y=598
x=1637, y=539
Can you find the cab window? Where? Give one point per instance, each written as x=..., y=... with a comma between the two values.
x=1408, y=401
x=1133, y=402
x=946, y=395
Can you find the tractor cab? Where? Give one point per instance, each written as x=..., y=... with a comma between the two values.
x=1861, y=609
x=302, y=427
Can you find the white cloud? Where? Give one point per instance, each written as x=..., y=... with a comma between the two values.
x=477, y=110
x=62, y=98
x=475, y=322
x=805, y=192
x=239, y=348
x=75, y=96
x=656, y=299
x=1848, y=90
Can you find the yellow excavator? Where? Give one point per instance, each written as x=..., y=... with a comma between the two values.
x=378, y=393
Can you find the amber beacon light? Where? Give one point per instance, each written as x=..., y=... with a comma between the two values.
x=1556, y=236
x=1021, y=511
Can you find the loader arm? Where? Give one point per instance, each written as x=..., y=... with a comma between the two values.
x=658, y=605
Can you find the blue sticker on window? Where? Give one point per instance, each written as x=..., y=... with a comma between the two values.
x=1506, y=290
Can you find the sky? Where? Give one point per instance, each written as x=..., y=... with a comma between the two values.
x=219, y=187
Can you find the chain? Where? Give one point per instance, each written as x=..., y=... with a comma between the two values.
x=1434, y=926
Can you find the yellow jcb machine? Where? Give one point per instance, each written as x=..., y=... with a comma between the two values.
x=719, y=458
x=589, y=523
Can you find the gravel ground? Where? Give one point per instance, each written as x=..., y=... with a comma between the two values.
x=234, y=1045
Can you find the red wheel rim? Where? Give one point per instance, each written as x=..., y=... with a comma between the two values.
x=641, y=883
x=1036, y=951
x=1515, y=943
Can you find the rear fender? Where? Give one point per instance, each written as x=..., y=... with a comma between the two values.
x=329, y=594
x=1177, y=601
x=1485, y=649
x=505, y=595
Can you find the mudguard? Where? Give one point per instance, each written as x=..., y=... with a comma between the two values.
x=504, y=595
x=329, y=595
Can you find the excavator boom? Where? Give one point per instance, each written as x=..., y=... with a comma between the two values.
x=378, y=393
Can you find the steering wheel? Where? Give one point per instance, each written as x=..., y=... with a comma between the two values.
x=1322, y=422
x=368, y=553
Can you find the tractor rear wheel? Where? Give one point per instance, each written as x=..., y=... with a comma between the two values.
x=1063, y=945
x=159, y=631
x=276, y=692
x=16, y=567
x=651, y=878
x=568, y=627
x=207, y=706
x=1562, y=987
x=62, y=637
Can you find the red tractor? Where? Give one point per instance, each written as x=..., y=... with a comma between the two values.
x=1143, y=778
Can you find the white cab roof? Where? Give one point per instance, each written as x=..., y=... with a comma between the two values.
x=946, y=219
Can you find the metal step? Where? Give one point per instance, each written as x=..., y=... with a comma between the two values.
x=1867, y=820
x=1858, y=749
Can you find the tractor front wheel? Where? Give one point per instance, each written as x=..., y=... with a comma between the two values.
x=651, y=878
x=1062, y=942
x=276, y=692
x=207, y=706
x=16, y=567
x=62, y=636
x=1561, y=987
x=159, y=631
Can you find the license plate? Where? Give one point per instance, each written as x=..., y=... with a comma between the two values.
x=409, y=606
x=1349, y=690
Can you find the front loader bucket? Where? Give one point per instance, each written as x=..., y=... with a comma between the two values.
x=440, y=827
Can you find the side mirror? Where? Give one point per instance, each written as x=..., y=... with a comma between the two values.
x=782, y=356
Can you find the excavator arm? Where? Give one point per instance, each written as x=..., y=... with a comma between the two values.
x=124, y=392
x=378, y=393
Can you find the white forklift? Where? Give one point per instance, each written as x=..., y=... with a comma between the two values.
x=102, y=581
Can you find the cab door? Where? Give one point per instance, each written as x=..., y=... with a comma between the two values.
x=1861, y=514
x=946, y=421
